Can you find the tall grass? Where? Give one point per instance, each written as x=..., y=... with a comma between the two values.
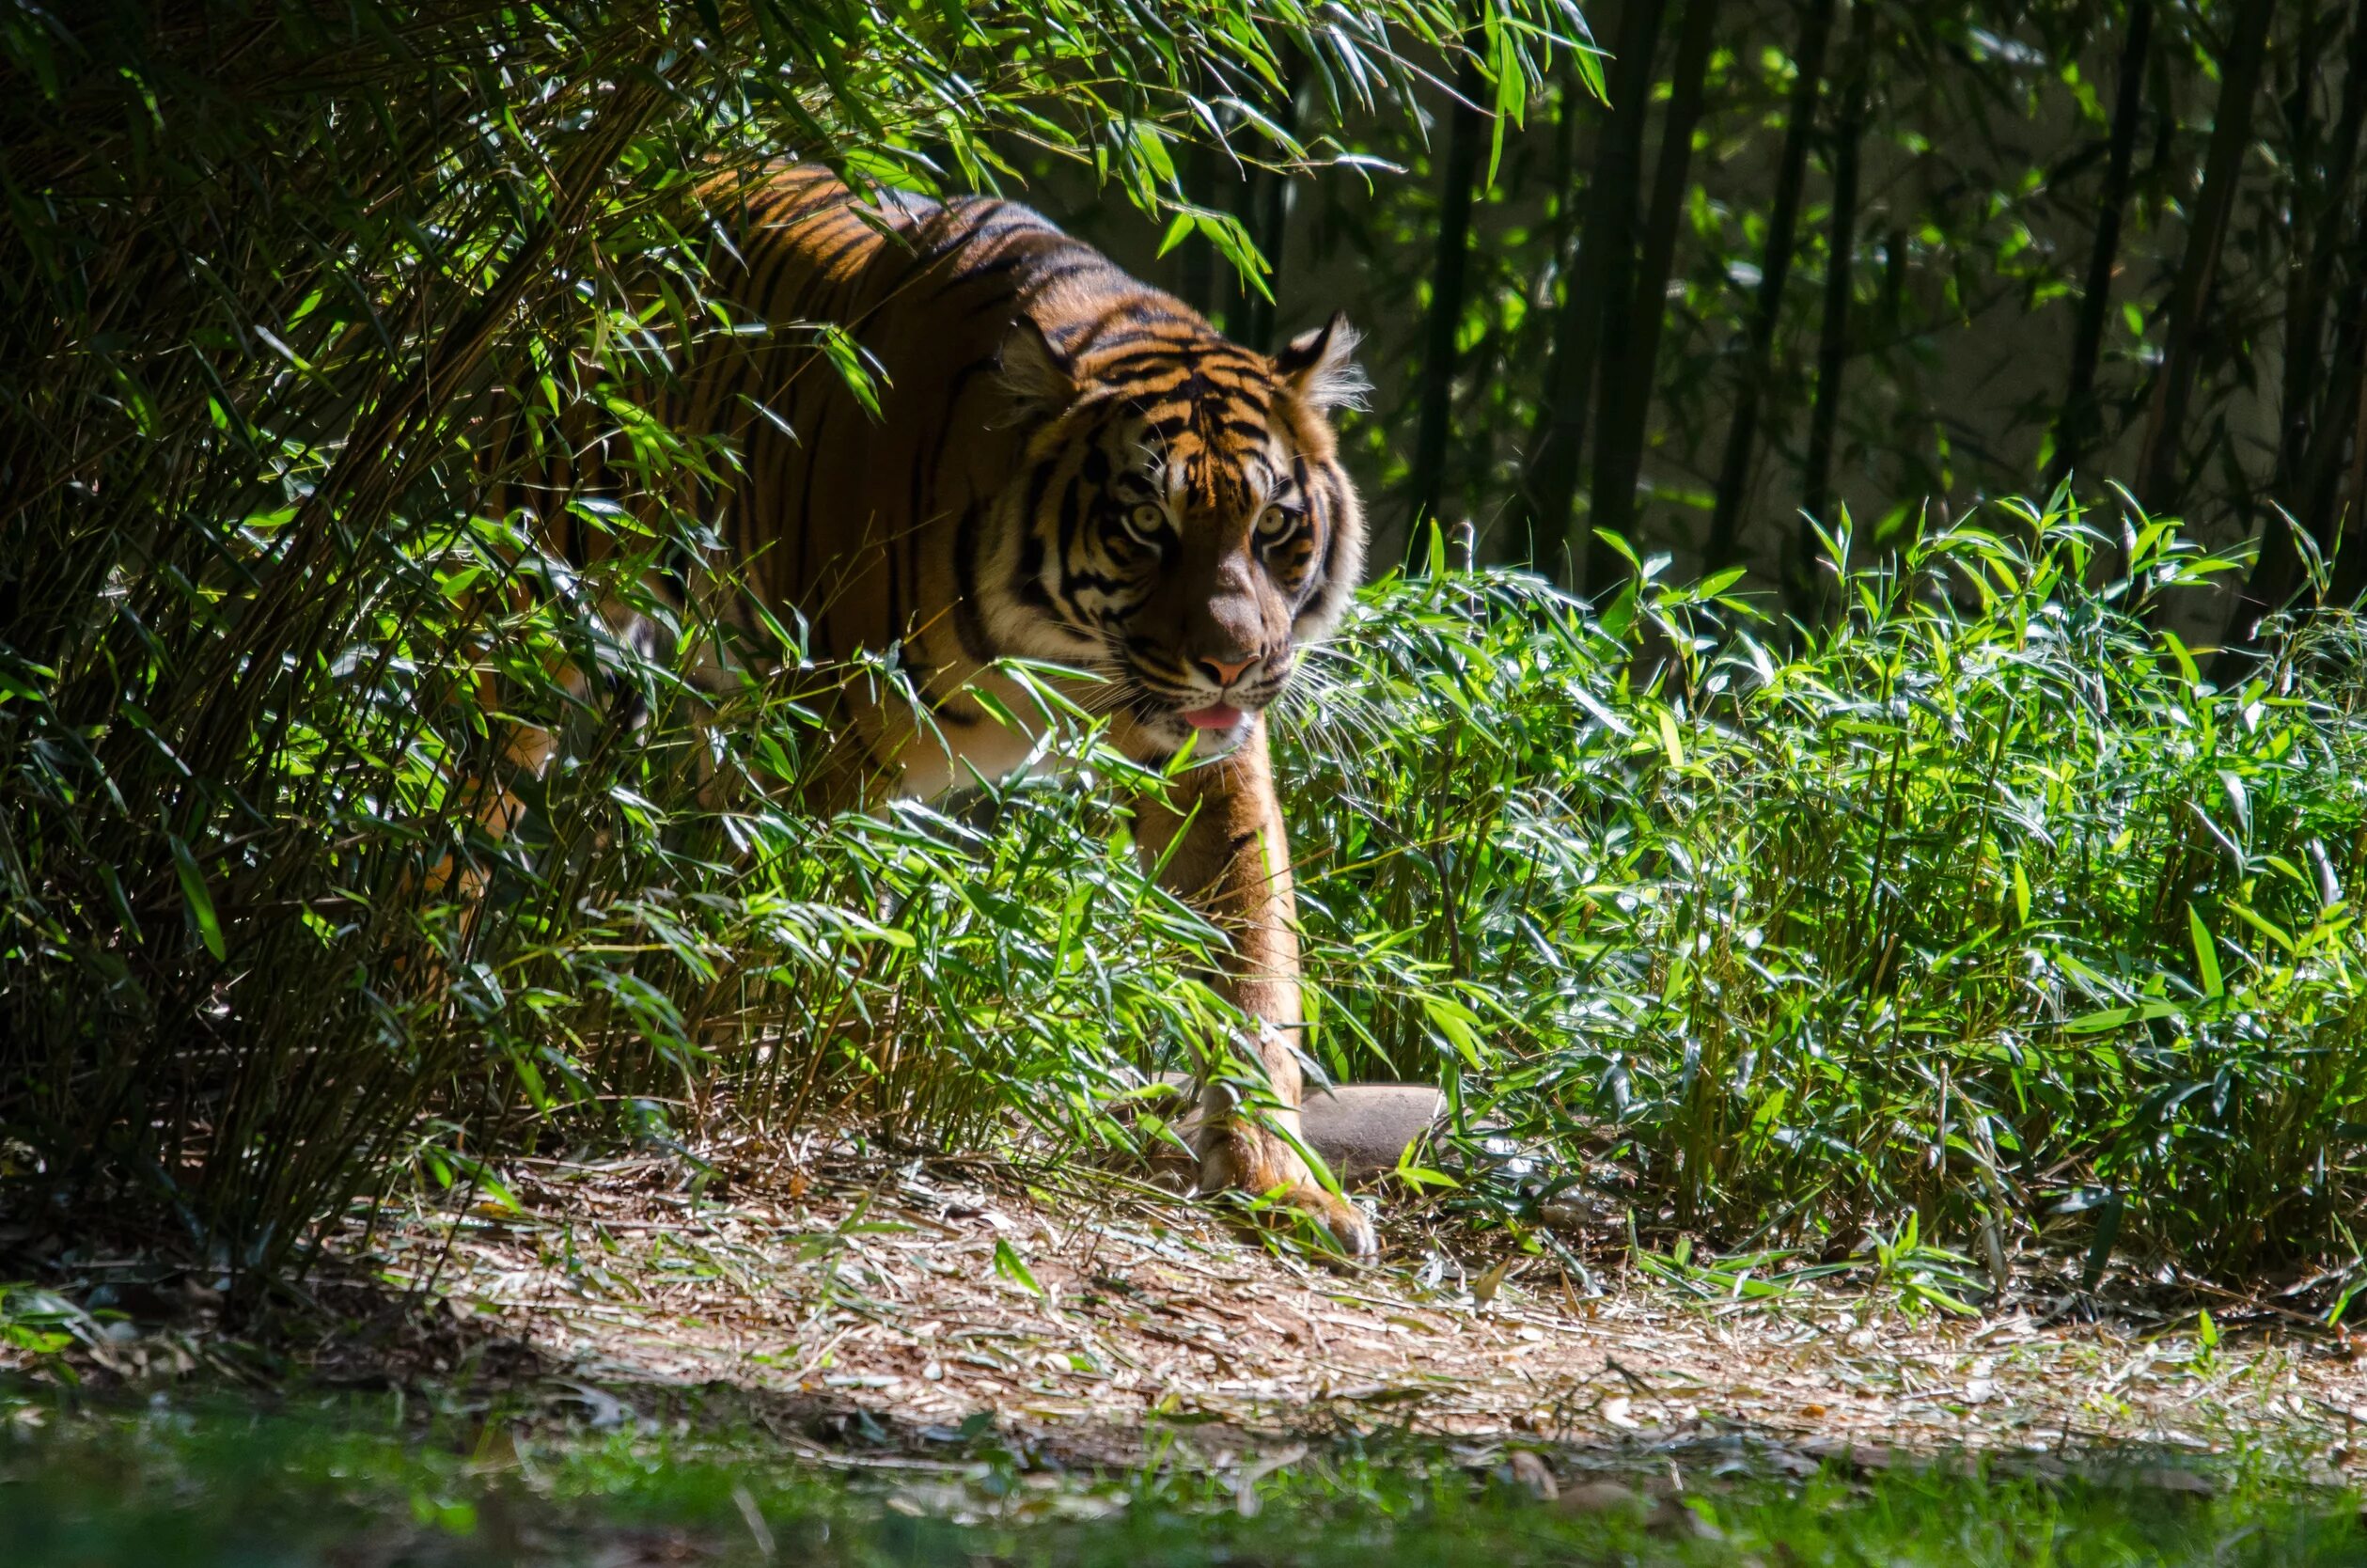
x=1983, y=905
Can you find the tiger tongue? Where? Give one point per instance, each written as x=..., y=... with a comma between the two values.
x=1219, y=717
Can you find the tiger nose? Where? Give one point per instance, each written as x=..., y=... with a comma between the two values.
x=1226, y=673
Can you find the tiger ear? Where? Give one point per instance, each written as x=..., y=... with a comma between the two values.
x=1318, y=366
x=1039, y=377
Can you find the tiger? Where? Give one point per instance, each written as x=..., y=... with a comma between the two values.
x=1057, y=463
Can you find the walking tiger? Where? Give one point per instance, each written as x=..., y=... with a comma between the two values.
x=1064, y=466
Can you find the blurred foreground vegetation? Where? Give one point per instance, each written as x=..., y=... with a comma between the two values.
x=341, y=1482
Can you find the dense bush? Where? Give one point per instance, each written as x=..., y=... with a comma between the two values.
x=262, y=271
x=1982, y=904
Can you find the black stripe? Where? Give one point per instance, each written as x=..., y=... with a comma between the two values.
x=995, y=266
x=1031, y=543
x=825, y=262
x=969, y=626
x=767, y=273
x=1071, y=516
x=825, y=196
x=804, y=521
x=1223, y=358
x=993, y=222
x=1118, y=340
x=1328, y=521
x=1085, y=336
x=1062, y=272
x=1124, y=365
x=961, y=718
x=1028, y=584
x=964, y=233
x=1086, y=577
x=1146, y=311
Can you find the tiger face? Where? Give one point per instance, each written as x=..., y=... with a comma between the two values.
x=1182, y=528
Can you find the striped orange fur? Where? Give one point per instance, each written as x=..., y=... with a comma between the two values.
x=1066, y=465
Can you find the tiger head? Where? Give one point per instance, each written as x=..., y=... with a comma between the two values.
x=1181, y=525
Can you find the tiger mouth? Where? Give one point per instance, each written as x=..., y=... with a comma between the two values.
x=1195, y=716
x=1160, y=707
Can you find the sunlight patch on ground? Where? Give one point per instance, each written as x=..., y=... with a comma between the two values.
x=877, y=1304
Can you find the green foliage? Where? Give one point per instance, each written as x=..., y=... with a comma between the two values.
x=1977, y=259
x=1975, y=904
x=264, y=277
x=1982, y=904
x=198, y=1484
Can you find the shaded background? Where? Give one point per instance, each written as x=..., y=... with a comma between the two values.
x=1821, y=254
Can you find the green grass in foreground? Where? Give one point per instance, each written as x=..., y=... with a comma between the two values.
x=340, y=1481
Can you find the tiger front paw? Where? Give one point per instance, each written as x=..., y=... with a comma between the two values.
x=1259, y=1163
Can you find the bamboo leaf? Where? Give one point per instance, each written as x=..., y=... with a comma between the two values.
x=1011, y=1266
x=2206, y=958
x=197, y=899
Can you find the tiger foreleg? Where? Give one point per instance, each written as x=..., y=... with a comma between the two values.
x=491, y=803
x=1220, y=841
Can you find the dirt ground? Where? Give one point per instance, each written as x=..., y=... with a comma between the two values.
x=891, y=1308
